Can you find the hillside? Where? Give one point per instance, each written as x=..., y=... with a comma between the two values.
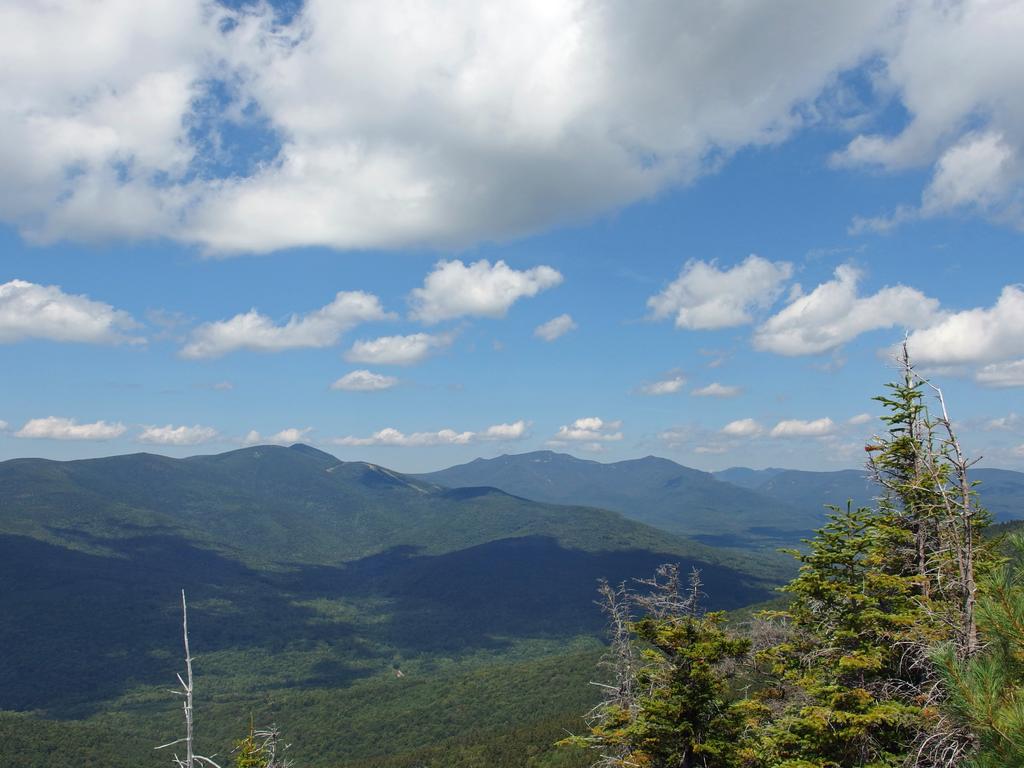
x=651, y=490
x=1001, y=491
x=304, y=574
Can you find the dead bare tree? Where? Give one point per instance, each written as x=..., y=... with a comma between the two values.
x=191, y=759
x=664, y=595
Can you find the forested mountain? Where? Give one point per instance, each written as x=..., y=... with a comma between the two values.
x=311, y=581
x=737, y=507
x=1000, y=491
x=651, y=490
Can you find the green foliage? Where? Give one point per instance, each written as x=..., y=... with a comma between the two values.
x=841, y=676
x=250, y=752
x=480, y=713
x=986, y=692
x=851, y=613
x=671, y=704
x=686, y=717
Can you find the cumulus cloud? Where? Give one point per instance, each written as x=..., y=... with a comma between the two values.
x=975, y=335
x=706, y=297
x=32, y=311
x=555, y=328
x=480, y=289
x=860, y=418
x=799, y=428
x=833, y=314
x=288, y=436
x=183, y=435
x=364, y=381
x=398, y=350
x=393, y=437
x=513, y=431
x=715, y=389
x=384, y=126
x=742, y=428
x=667, y=386
x=59, y=428
x=254, y=331
x=1001, y=374
x=590, y=429
x=955, y=68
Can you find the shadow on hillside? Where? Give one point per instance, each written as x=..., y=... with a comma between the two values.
x=78, y=628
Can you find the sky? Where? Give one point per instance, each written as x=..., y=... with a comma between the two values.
x=418, y=233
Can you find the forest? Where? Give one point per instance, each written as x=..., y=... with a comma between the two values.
x=900, y=644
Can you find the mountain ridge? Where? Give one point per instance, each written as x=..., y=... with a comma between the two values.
x=651, y=489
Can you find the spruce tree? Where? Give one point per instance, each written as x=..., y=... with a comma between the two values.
x=850, y=614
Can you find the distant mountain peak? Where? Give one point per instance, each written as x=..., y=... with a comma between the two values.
x=309, y=450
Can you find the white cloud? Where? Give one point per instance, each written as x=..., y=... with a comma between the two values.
x=183, y=435
x=393, y=437
x=675, y=437
x=423, y=123
x=3, y=425
x=706, y=297
x=480, y=289
x=398, y=350
x=956, y=69
x=975, y=335
x=1019, y=450
x=58, y=428
x=664, y=387
x=715, y=389
x=981, y=172
x=555, y=328
x=364, y=381
x=833, y=314
x=799, y=428
x=859, y=419
x=32, y=311
x=254, y=331
x=1002, y=374
x=590, y=429
x=742, y=428
x=288, y=436
x=223, y=386
x=513, y=431
x=1003, y=423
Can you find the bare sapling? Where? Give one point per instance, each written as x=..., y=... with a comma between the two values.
x=191, y=759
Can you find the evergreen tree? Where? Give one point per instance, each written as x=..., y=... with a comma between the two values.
x=985, y=701
x=849, y=675
x=672, y=708
x=850, y=615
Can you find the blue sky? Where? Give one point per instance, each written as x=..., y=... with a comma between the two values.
x=724, y=222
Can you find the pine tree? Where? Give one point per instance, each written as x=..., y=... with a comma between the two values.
x=985, y=693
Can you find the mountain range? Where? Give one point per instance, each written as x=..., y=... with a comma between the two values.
x=737, y=507
x=303, y=573
x=312, y=582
